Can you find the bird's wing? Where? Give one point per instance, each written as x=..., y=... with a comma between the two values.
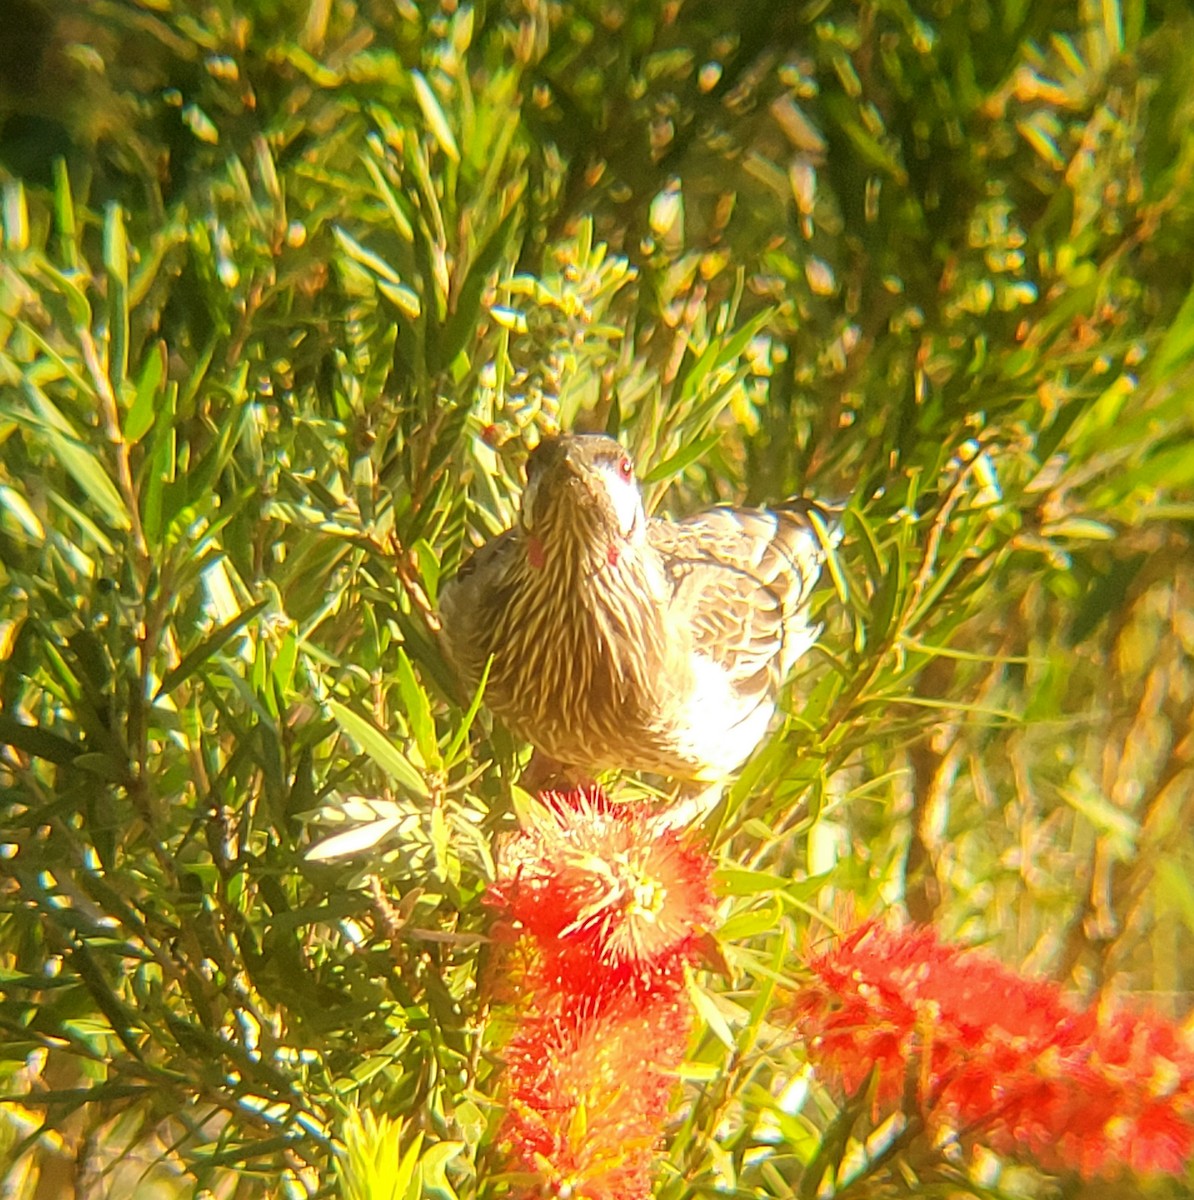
x=469, y=601
x=740, y=579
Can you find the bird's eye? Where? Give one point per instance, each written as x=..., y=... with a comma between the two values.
x=626, y=469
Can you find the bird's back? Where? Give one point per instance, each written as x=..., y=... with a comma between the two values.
x=740, y=583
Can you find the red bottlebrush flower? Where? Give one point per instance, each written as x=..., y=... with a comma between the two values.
x=609, y=898
x=1000, y=1059
x=589, y=1085
x=608, y=910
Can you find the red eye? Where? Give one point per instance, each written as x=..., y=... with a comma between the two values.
x=626, y=469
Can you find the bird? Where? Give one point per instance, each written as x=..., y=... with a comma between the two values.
x=618, y=640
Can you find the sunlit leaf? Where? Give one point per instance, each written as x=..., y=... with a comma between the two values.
x=379, y=748
x=208, y=648
x=434, y=116
x=77, y=457
x=353, y=841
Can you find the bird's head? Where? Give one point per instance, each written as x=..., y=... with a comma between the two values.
x=581, y=488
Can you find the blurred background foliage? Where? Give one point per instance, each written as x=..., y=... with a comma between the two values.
x=287, y=290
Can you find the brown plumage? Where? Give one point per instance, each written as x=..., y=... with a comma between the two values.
x=622, y=640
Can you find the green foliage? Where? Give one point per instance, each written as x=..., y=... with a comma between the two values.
x=376, y=1166
x=286, y=292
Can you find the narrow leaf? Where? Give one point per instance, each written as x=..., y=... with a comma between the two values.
x=710, y=1013
x=211, y=645
x=373, y=263
x=32, y=739
x=140, y=417
x=433, y=1166
x=418, y=711
x=77, y=458
x=64, y=216
x=352, y=841
x=378, y=747
x=397, y=215
x=469, y=717
x=116, y=263
x=434, y=116
x=1102, y=813
x=683, y=457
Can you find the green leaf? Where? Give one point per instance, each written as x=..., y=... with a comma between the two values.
x=751, y=923
x=116, y=263
x=159, y=466
x=379, y=748
x=372, y=262
x=32, y=739
x=709, y=1012
x=829, y=539
x=140, y=417
x=433, y=1166
x=14, y=504
x=738, y=881
x=210, y=646
x=466, y=723
x=441, y=845
x=16, y=216
x=883, y=604
x=196, y=486
x=718, y=353
x=868, y=545
x=76, y=456
x=312, y=68
x=1166, y=470
x=1177, y=346
x=71, y=288
x=393, y=205
x=68, y=368
x=64, y=216
x=468, y=311
x=1106, y=817
x=1177, y=887
x=404, y=299
x=434, y=116
x=429, y=568
x=683, y=457
x=354, y=840
x=418, y=711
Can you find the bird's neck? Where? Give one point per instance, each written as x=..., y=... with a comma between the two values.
x=567, y=557
x=611, y=588
x=591, y=630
